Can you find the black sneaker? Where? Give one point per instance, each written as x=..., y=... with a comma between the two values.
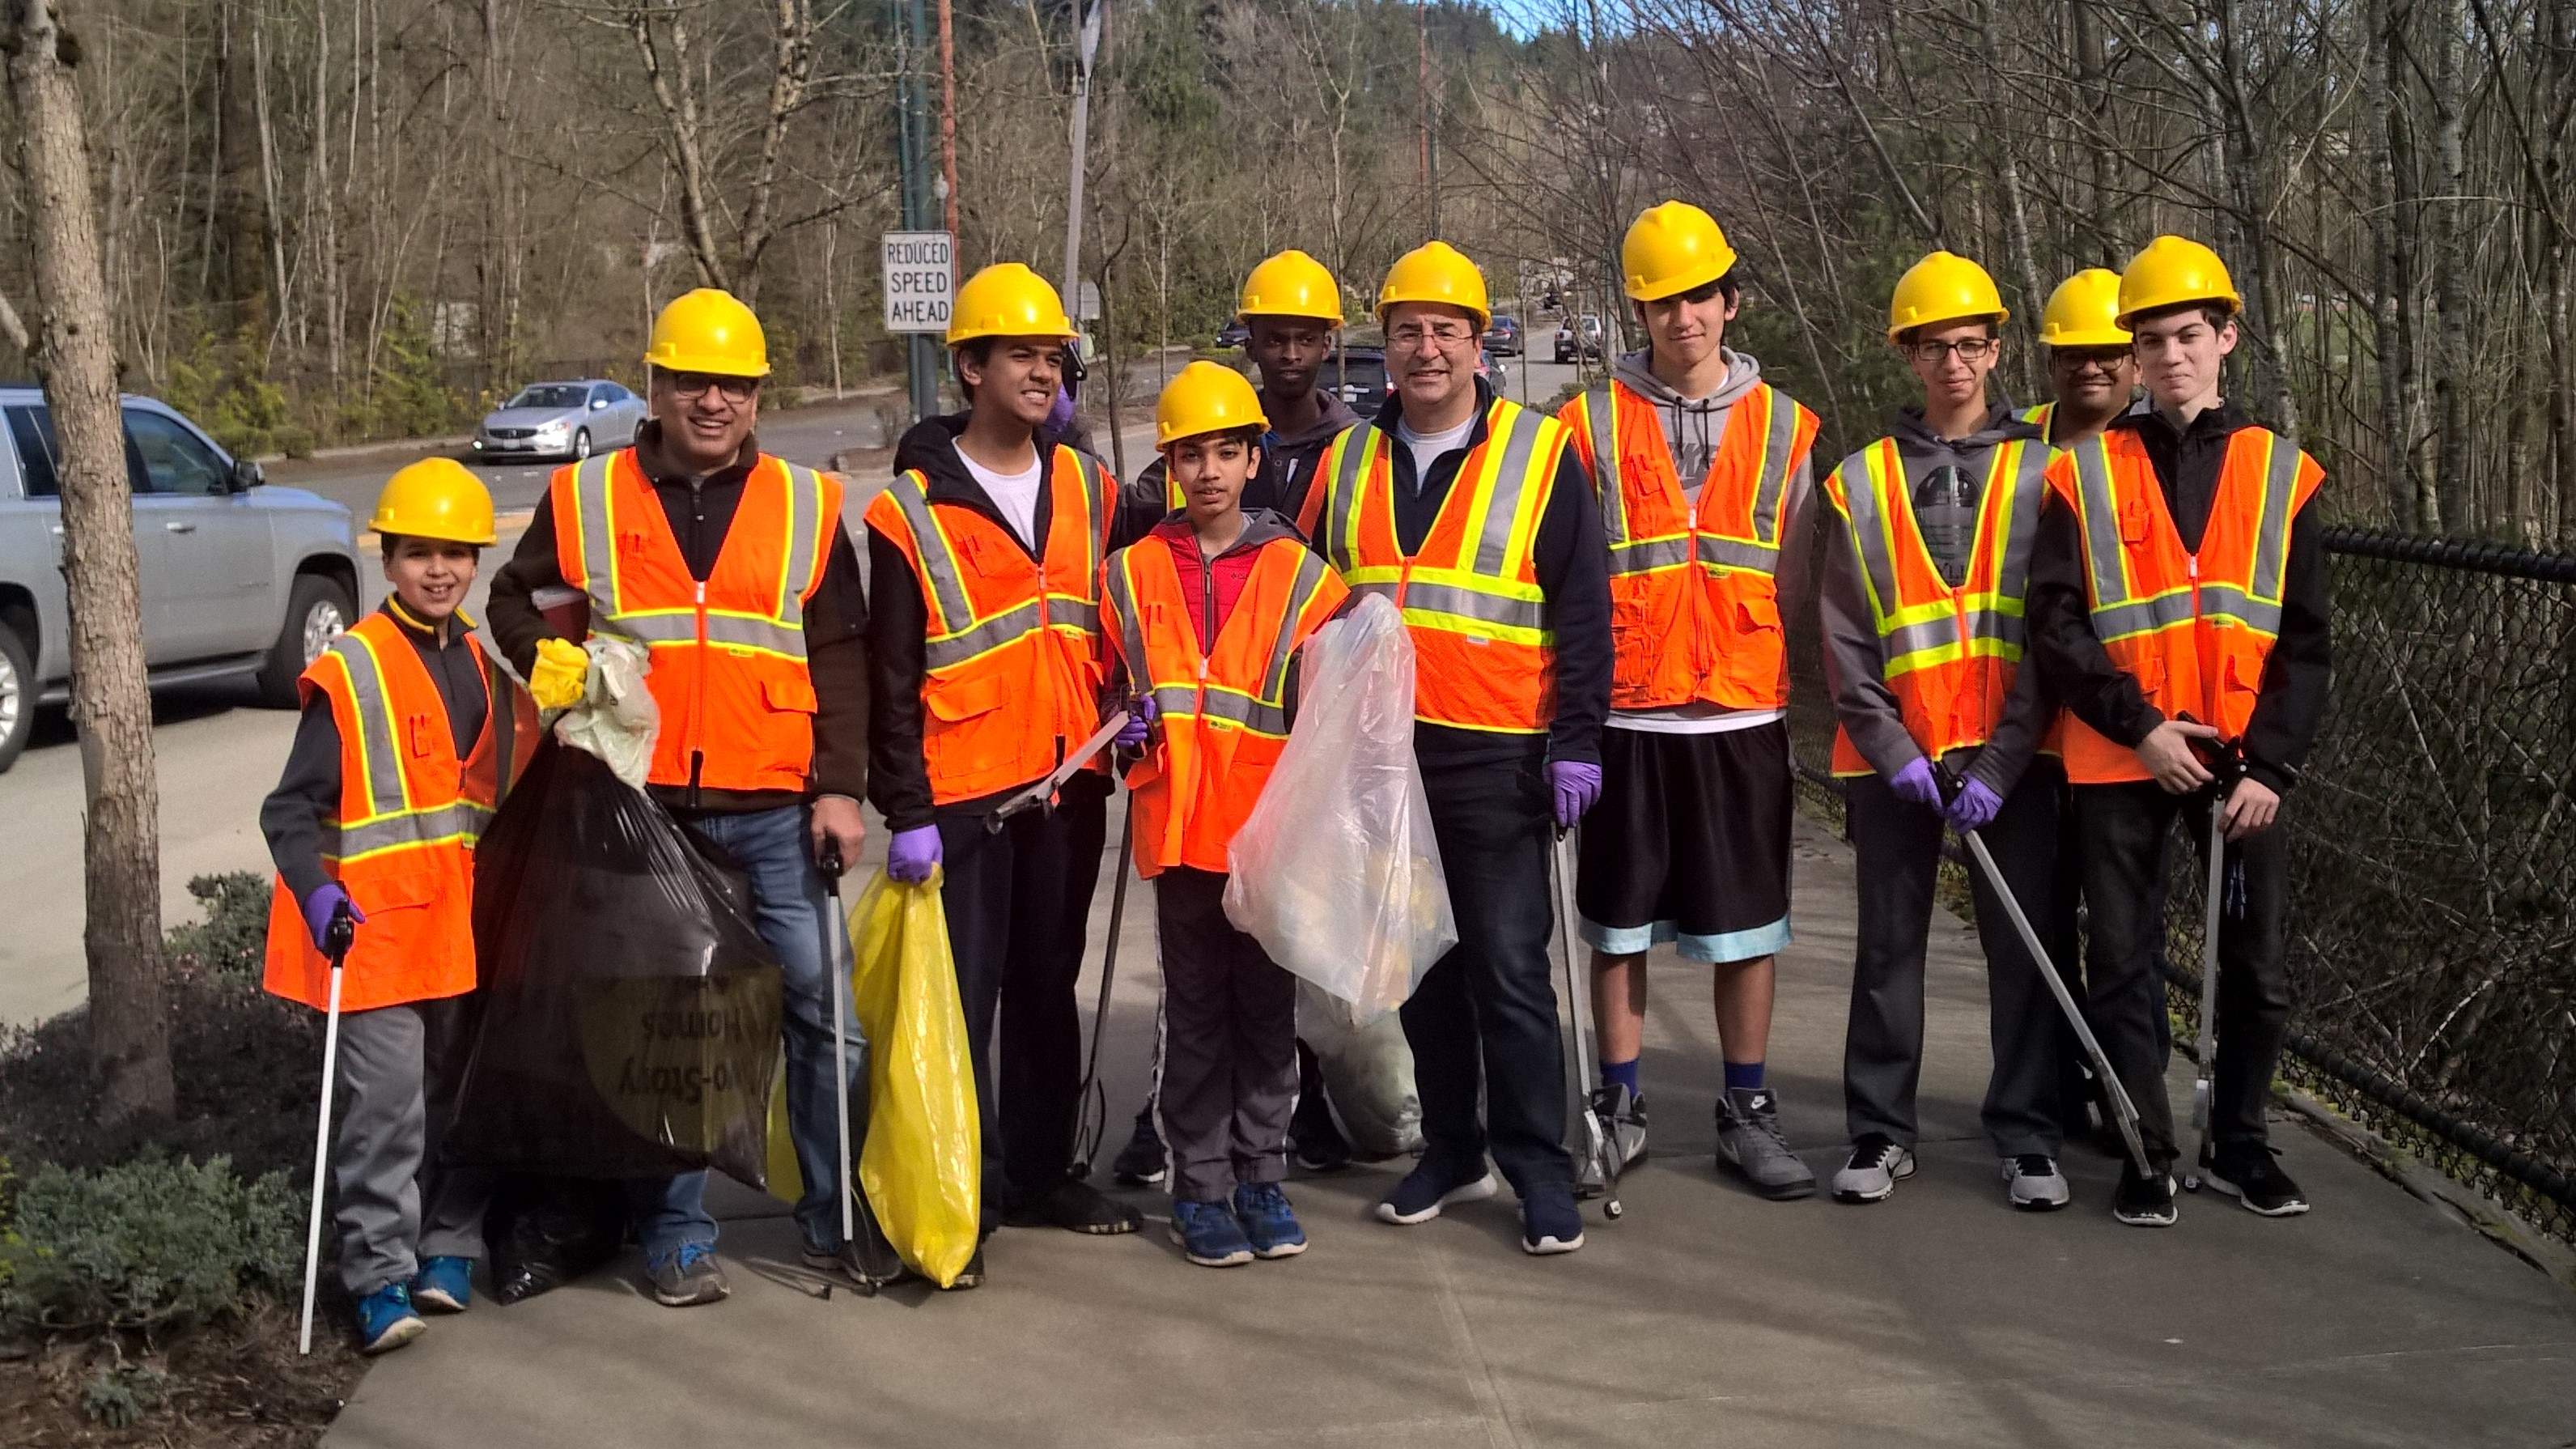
x=1076, y=1207
x=2246, y=1172
x=1315, y=1138
x=2144, y=1202
x=1142, y=1162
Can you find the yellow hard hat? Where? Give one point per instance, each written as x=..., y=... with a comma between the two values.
x=1205, y=398
x=708, y=331
x=436, y=498
x=2084, y=311
x=1942, y=288
x=1291, y=284
x=2171, y=271
x=1006, y=299
x=1436, y=272
x=1672, y=249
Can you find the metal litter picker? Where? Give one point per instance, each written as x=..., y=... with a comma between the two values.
x=2123, y=1110
x=336, y=939
x=1599, y=1145
x=2225, y=765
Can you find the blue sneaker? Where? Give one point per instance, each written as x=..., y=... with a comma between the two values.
x=1208, y=1234
x=1550, y=1222
x=386, y=1321
x=443, y=1285
x=1428, y=1188
x=1269, y=1223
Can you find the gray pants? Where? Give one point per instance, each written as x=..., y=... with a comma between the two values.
x=1896, y=848
x=400, y=1067
x=1225, y=1077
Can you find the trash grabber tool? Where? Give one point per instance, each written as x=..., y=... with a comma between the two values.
x=2123, y=1110
x=833, y=966
x=1043, y=792
x=335, y=939
x=1599, y=1144
x=2225, y=764
x=1091, y=1104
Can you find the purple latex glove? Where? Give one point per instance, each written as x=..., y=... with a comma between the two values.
x=1575, y=785
x=1974, y=807
x=320, y=906
x=913, y=854
x=1914, y=784
x=1060, y=416
x=1141, y=714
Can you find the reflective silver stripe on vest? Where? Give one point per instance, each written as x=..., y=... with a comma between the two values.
x=1510, y=480
x=1236, y=708
x=598, y=541
x=1064, y=612
x=463, y=820
x=2141, y=616
x=1131, y=635
x=1003, y=628
x=1776, y=444
x=2021, y=530
x=385, y=792
x=1473, y=604
x=1905, y=639
x=1301, y=592
x=1649, y=555
x=1860, y=499
x=804, y=555
x=2005, y=628
x=1719, y=551
x=2280, y=485
x=503, y=721
x=768, y=634
x=1600, y=415
x=2101, y=530
x=1350, y=474
x=2226, y=601
x=938, y=564
x=1176, y=699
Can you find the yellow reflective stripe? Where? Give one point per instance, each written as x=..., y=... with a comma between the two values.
x=1301, y=597
x=1354, y=455
x=2272, y=543
x=379, y=752
x=1601, y=415
x=2100, y=507
x=947, y=651
x=1506, y=490
x=951, y=607
x=595, y=523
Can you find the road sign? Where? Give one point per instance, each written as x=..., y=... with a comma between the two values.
x=920, y=280
x=1086, y=304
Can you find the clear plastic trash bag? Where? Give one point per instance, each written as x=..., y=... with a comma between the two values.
x=617, y=720
x=1368, y=1075
x=1335, y=872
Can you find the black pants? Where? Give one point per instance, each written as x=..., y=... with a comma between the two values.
x=2125, y=828
x=1225, y=1074
x=1896, y=847
x=1019, y=910
x=1485, y=1014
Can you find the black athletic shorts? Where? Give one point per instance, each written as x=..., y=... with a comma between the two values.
x=1689, y=844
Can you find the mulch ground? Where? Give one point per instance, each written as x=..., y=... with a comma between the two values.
x=238, y=1384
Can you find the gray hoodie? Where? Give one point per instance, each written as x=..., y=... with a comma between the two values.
x=1693, y=428
x=1865, y=705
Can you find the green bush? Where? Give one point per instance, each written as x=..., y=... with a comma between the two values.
x=233, y=938
x=119, y=1397
x=151, y=1243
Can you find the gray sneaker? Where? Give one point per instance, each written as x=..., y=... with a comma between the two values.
x=2033, y=1183
x=1877, y=1164
x=686, y=1278
x=1624, y=1116
x=1749, y=1137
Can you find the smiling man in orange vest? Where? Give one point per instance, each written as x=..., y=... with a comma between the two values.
x=984, y=571
x=2179, y=600
x=731, y=565
x=1473, y=516
x=410, y=736
x=1701, y=468
x=1206, y=615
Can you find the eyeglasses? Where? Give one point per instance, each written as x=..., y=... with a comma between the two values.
x=690, y=386
x=1414, y=337
x=1970, y=349
x=2092, y=359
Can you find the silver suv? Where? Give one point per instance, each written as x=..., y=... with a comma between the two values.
x=239, y=580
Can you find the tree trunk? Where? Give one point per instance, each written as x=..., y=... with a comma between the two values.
x=2450, y=273
x=2380, y=83
x=76, y=352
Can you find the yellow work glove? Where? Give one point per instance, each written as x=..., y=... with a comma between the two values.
x=562, y=675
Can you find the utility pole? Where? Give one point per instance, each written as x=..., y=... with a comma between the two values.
x=948, y=118
x=1086, y=49
x=921, y=211
x=1422, y=115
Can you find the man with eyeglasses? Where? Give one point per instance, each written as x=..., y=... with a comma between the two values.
x=1701, y=469
x=1474, y=517
x=1937, y=724
x=2092, y=372
x=733, y=567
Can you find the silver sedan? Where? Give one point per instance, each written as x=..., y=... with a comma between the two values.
x=561, y=420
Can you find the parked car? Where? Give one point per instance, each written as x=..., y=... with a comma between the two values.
x=239, y=580
x=1579, y=335
x=1503, y=337
x=1357, y=375
x=1237, y=333
x=561, y=419
x=1494, y=371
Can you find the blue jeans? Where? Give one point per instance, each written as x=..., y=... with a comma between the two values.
x=794, y=915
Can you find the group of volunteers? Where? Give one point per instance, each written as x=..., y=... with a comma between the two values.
x=1596, y=605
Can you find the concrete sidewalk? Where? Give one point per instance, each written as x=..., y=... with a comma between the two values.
x=1705, y=1316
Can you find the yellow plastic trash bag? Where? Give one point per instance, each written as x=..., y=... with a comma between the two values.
x=922, y=1167
x=786, y=1179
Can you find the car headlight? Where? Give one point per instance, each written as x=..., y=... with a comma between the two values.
x=554, y=429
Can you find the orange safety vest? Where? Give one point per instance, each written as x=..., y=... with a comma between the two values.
x=2038, y=414
x=729, y=670
x=2193, y=629
x=1949, y=655
x=402, y=841
x=1694, y=597
x=1012, y=666
x=1224, y=714
x=1484, y=648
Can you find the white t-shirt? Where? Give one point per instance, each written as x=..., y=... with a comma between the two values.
x=1016, y=494
x=1427, y=447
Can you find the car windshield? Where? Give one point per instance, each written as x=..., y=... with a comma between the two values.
x=551, y=395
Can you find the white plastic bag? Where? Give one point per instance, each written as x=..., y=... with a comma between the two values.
x=1368, y=1075
x=617, y=718
x=1335, y=872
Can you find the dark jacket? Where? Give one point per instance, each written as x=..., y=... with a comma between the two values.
x=1573, y=571
x=2299, y=670
x=701, y=514
x=899, y=624
x=308, y=792
x=1855, y=662
x=1287, y=475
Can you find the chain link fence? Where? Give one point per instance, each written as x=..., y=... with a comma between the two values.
x=2432, y=920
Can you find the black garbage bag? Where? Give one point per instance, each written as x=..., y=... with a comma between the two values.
x=631, y=1011
x=544, y=1232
